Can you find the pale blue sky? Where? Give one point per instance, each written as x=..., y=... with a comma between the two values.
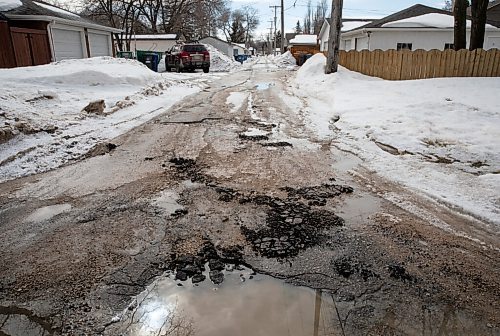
x=352, y=8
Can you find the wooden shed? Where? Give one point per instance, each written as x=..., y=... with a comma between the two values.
x=7, y=57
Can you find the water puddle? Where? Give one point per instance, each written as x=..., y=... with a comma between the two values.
x=251, y=132
x=167, y=201
x=46, y=213
x=264, y=86
x=245, y=304
x=16, y=321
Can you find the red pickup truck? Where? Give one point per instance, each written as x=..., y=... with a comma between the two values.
x=189, y=56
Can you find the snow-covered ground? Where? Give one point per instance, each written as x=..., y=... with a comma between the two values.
x=440, y=137
x=42, y=125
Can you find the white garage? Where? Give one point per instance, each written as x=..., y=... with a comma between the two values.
x=99, y=44
x=70, y=36
x=68, y=43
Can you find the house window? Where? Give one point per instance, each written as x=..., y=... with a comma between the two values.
x=348, y=45
x=449, y=46
x=405, y=46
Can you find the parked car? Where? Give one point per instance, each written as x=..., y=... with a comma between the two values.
x=189, y=56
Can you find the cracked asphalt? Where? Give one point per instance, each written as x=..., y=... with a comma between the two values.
x=79, y=242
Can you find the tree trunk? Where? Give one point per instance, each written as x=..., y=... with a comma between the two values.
x=460, y=31
x=332, y=61
x=478, y=11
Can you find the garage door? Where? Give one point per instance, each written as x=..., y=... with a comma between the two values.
x=99, y=45
x=67, y=44
x=493, y=42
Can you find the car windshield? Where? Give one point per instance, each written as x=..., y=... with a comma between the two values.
x=194, y=48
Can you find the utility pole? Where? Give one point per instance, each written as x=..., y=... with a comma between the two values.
x=332, y=61
x=282, y=26
x=275, y=22
x=271, y=34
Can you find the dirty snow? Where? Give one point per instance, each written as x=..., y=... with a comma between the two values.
x=6, y=5
x=42, y=125
x=285, y=60
x=436, y=136
x=220, y=62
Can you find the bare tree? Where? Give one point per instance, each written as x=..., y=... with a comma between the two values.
x=478, y=12
x=251, y=22
x=308, y=18
x=460, y=29
x=448, y=5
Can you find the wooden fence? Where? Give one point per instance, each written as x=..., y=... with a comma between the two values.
x=420, y=64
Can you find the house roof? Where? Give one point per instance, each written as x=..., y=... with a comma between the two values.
x=3, y=17
x=42, y=11
x=216, y=38
x=156, y=37
x=304, y=39
x=493, y=3
x=407, y=13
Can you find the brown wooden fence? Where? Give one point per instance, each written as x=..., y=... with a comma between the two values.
x=420, y=64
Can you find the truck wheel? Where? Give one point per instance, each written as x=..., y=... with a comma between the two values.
x=169, y=69
x=206, y=70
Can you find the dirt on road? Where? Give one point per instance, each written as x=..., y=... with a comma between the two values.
x=212, y=183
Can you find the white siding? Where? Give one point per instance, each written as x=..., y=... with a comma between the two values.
x=492, y=42
x=99, y=44
x=68, y=43
x=152, y=45
x=427, y=40
x=223, y=47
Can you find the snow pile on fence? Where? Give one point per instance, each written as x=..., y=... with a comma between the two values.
x=46, y=120
x=285, y=60
x=437, y=136
x=219, y=62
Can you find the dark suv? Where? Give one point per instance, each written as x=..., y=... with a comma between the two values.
x=188, y=56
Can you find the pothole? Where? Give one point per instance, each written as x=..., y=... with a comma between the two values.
x=246, y=304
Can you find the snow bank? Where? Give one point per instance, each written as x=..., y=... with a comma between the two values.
x=90, y=71
x=219, y=62
x=436, y=136
x=42, y=125
x=6, y=5
x=285, y=60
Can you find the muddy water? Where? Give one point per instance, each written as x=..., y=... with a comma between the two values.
x=46, y=213
x=245, y=305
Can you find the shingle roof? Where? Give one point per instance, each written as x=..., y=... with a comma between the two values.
x=30, y=7
x=409, y=12
x=494, y=3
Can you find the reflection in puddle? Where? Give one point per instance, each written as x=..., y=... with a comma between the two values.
x=46, y=213
x=244, y=304
x=264, y=86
